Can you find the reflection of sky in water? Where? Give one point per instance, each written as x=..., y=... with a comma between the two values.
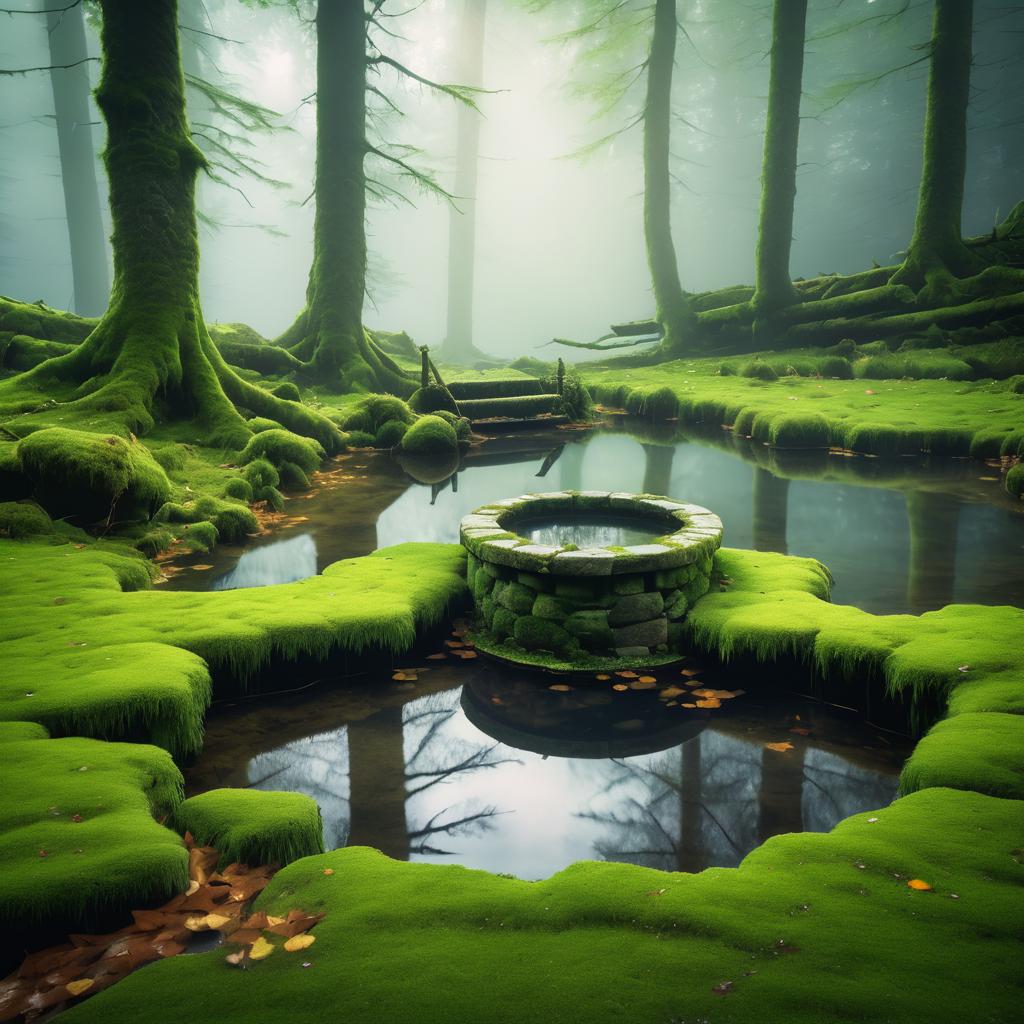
x=281, y=562
x=554, y=811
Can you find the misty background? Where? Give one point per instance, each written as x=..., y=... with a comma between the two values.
x=559, y=246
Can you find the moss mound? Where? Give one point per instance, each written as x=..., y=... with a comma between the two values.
x=78, y=837
x=390, y=433
x=252, y=826
x=430, y=435
x=758, y=370
x=92, y=476
x=433, y=398
x=288, y=391
x=279, y=446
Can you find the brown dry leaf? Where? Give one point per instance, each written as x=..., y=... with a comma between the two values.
x=244, y=936
x=603, y=676
x=705, y=692
x=297, y=942
x=398, y=677
x=671, y=691
x=648, y=679
x=779, y=747
x=261, y=949
x=643, y=683
x=200, y=568
x=437, y=657
x=918, y=885
x=560, y=687
x=76, y=988
x=689, y=672
x=627, y=674
x=466, y=655
x=619, y=686
x=454, y=643
x=687, y=705
x=709, y=702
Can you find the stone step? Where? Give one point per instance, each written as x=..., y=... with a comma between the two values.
x=513, y=407
x=510, y=387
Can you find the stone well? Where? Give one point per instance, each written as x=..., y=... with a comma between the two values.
x=561, y=603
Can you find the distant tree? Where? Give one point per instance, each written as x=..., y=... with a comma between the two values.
x=69, y=78
x=459, y=338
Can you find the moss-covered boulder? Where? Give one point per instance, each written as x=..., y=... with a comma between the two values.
x=92, y=477
x=433, y=398
x=430, y=435
x=278, y=446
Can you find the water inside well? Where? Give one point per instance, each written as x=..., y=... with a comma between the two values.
x=589, y=531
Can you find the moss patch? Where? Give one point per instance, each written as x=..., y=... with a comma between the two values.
x=252, y=826
x=809, y=928
x=77, y=833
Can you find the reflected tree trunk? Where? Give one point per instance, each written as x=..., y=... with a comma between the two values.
x=771, y=506
x=780, y=800
x=462, y=215
x=690, y=853
x=570, y=467
x=934, y=521
x=376, y=767
x=658, y=468
x=65, y=31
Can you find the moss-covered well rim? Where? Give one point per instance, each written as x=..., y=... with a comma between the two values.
x=692, y=532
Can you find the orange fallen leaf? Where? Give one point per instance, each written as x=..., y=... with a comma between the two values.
x=687, y=705
x=560, y=687
x=297, y=942
x=780, y=747
x=201, y=568
x=619, y=686
x=328, y=871
x=709, y=702
x=398, y=677
x=648, y=679
x=436, y=657
x=689, y=672
x=454, y=643
x=627, y=674
x=603, y=676
x=671, y=691
x=918, y=885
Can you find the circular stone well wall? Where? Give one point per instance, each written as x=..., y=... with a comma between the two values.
x=566, y=606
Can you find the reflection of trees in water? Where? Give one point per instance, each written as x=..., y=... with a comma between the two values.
x=371, y=777
x=712, y=800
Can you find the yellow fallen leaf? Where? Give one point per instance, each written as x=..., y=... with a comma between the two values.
x=687, y=705
x=216, y=921
x=261, y=949
x=709, y=702
x=780, y=747
x=918, y=885
x=76, y=988
x=271, y=920
x=297, y=942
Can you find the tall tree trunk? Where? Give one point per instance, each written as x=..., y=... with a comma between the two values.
x=937, y=252
x=773, y=287
x=462, y=218
x=66, y=33
x=673, y=307
x=376, y=771
x=328, y=334
x=780, y=798
x=152, y=345
x=690, y=853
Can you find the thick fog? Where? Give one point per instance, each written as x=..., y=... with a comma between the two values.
x=559, y=238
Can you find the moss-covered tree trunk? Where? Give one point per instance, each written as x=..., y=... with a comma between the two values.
x=65, y=31
x=773, y=287
x=328, y=335
x=458, y=344
x=151, y=354
x=937, y=252
x=673, y=307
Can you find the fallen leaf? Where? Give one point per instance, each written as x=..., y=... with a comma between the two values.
x=642, y=684
x=200, y=568
x=454, y=643
x=918, y=885
x=239, y=958
x=657, y=892
x=560, y=687
x=689, y=672
x=779, y=747
x=671, y=691
x=687, y=705
x=648, y=679
x=723, y=988
x=709, y=702
x=871, y=821
x=328, y=871
x=437, y=657
x=261, y=949
x=297, y=942
x=619, y=686
x=76, y=988
x=604, y=677
x=627, y=674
